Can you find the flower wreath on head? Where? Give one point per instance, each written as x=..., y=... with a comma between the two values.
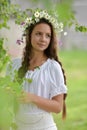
x=37, y=15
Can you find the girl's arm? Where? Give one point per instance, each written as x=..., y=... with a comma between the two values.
x=51, y=105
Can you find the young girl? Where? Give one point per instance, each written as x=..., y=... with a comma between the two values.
x=46, y=92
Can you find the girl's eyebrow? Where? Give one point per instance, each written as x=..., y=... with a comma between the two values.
x=42, y=32
x=47, y=33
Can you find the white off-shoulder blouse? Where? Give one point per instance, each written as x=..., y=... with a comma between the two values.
x=47, y=82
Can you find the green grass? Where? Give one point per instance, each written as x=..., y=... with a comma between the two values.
x=75, y=65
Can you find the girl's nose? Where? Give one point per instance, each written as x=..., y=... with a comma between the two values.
x=43, y=38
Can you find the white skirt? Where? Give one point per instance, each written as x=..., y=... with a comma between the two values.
x=42, y=121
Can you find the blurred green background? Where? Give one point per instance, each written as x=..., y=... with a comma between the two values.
x=75, y=65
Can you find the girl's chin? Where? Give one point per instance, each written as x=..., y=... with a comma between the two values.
x=41, y=48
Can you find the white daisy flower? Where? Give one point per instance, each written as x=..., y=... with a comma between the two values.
x=37, y=20
x=56, y=24
x=52, y=20
x=47, y=16
x=36, y=14
x=44, y=12
x=61, y=25
x=30, y=20
x=41, y=14
x=27, y=19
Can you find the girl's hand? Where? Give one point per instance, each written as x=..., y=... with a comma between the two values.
x=25, y=97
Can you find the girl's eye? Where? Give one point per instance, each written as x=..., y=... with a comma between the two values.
x=38, y=33
x=48, y=35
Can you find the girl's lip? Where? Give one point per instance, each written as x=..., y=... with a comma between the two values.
x=41, y=45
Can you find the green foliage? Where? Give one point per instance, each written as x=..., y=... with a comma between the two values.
x=8, y=11
x=9, y=92
x=3, y=56
x=80, y=28
x=6, y=108
x=64, y=12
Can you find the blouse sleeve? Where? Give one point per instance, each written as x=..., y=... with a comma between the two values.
x=57, y=85
x=15, y=64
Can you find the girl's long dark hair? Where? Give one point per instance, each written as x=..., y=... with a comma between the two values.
x=50, y=52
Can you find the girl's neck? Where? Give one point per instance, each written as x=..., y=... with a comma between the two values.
x=37, y=60
x=37, y=56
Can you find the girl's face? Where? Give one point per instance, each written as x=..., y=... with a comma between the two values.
x=40, y=37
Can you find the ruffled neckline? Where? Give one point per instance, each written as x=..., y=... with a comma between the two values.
x=39, y=67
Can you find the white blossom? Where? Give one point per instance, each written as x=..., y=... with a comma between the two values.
x=43, y=14
x=36, y=14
